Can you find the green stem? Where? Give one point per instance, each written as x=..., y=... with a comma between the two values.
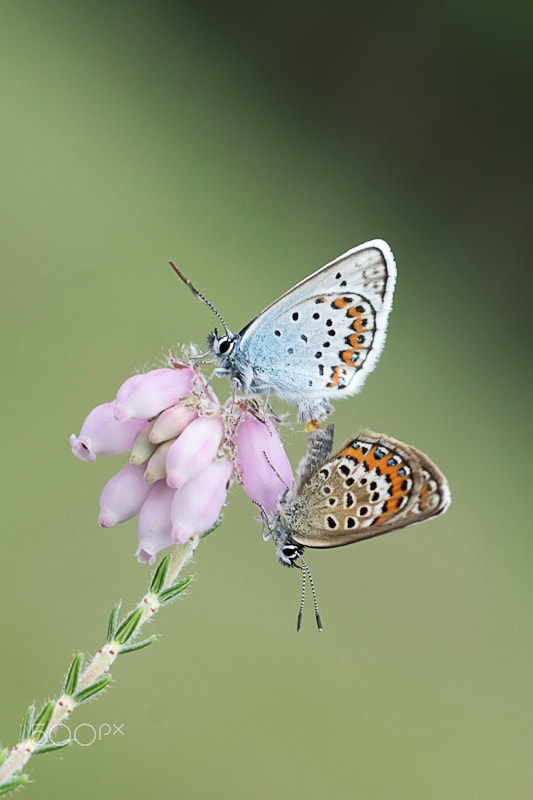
x=96, y=676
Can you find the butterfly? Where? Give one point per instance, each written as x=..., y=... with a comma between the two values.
x=319, y=340
x=373, y=485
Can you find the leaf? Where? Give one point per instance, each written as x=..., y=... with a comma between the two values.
x=71, y=682
x=213, y=527
x=14, y=783
x=128, y=627
x=42, y=722
x=130, y=648
x=91, y=690
x=159, y=576
x=112, y=624
x=27, y=724
x=167, y=595
x=49, y=748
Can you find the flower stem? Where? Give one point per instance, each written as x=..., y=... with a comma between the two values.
x=84, y=685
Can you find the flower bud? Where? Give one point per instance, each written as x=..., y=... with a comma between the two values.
x=142, y=448
x=265, y=470
x=171, y=423
x=157, y=465
x=154, y=522
x=122, y=496
x=193, y=451
x=102, y=435
x=144, y=396
x=197, y=505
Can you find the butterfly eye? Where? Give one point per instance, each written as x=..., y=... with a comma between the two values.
x=220, y=345
x=225, y=344
x=288, y=554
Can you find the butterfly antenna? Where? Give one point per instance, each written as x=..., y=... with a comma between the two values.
x=276, y=473
x=302, y=602
x=264, y=520
x=199, y=295
x=306, y=574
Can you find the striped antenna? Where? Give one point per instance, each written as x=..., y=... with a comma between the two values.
x=200, y=296
x=306, y=573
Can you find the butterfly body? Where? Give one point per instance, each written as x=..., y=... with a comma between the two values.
x=320, y=339
x=373, y=485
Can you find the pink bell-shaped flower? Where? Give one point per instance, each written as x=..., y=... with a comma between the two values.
x=185, y=448
x=265, y=471
x=197, y=505
x=154, y=531
x=193, y=450
x=123, y=496
x=102, y=435
x=143, y=396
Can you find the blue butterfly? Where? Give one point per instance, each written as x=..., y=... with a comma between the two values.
x=319, y=340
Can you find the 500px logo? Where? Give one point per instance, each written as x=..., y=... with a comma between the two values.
x=83, y=734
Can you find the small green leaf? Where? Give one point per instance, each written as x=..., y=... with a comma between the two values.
x=49, y=748
x=167, y=595
x=27, y=724
x=43, y=721
x=158, y=578
x=129, y=626
x=130, y=648
x=213, y=527
x=71, y=681
x=14, y=783
x=90, y=691
x=112, y=624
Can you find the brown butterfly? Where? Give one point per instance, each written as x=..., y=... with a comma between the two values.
x=373, y=485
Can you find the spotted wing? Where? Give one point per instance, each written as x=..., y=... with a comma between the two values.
x=326, y=333
x=373, y=485
x=434, y=497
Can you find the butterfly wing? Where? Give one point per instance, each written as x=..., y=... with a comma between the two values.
x=325, y=334
x=434, y=496
x=373, y=485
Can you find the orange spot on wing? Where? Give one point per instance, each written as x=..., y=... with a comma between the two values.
x=346, y=356
x=357, y=325
x=400, y=485
x=351, y=452
x=338, y=378
x=340, y=302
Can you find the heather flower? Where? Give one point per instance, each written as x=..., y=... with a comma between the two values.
x=171, y=423
x=196, y=505
x=102, y=435
x=193, y=451
x=185, y=448
x=123, y=496
x=264, y=469
x=144, y=396
x=155, y=527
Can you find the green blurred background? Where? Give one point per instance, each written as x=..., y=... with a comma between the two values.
x=252, y=143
